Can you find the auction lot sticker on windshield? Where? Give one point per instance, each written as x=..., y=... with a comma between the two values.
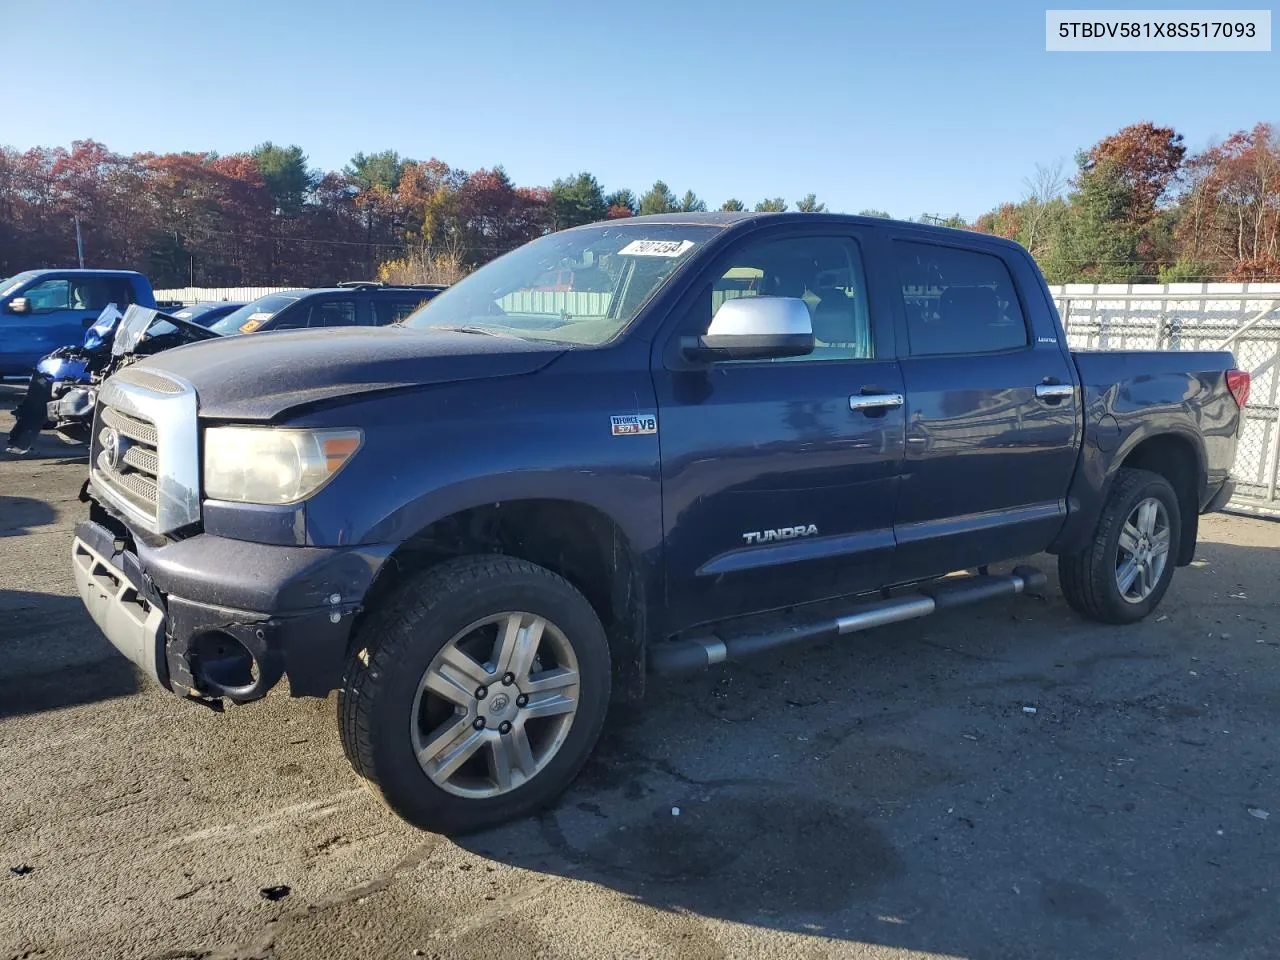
x=254, y=322
x=656, y=248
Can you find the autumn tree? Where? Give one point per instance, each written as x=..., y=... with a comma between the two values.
x=1144, y=159
x=1231, y=207
x=493, y=216
x=621, y=203
x=374, y=182
x=429, y=191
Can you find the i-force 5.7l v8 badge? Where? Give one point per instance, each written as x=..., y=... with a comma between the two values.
x=631, y=426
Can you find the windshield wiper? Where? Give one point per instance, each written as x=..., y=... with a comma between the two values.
x=470, y=328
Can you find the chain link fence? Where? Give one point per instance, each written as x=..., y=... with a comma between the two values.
x=1241, y=317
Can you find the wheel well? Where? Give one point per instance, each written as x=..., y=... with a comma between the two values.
x=1175, y=459
x=578, y=542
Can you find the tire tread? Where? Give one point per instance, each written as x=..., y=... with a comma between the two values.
x=386, y=635
x=1085, y=575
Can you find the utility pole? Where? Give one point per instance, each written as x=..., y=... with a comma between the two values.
x=79, y=243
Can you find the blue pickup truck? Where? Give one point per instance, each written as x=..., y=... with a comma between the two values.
x=41, y=310
x=626, y=450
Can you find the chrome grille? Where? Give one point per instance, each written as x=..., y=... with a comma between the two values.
x=148, y=380
x=125, y=457
x=135, y=428
x=142, y=460
x=145, y=454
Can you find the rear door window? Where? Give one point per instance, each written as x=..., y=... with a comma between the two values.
x=332, y=313
x=119, y=291
x=957, y=301
x=318, y=312
x=390, y=310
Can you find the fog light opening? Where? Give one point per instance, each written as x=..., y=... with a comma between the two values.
x=221, y=663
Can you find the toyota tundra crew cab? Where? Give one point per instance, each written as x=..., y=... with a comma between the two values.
x=623, y=450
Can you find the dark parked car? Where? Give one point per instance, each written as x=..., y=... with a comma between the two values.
x=483, y=525
x=208, y=312
x=346, y=305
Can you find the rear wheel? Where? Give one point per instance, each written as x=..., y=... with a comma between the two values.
x=476, y=694
x=1122, y=575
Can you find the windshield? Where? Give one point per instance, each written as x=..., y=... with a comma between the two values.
x=253, y=314
x=579, y=286
x=198, y=311
x=13, y=283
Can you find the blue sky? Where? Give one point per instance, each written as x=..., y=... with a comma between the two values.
x=907, y=106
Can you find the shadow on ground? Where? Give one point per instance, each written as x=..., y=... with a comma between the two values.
x=895, y=791
x=20, y=515
x=52, y=655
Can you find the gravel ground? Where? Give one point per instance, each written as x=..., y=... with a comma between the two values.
x=890, y=795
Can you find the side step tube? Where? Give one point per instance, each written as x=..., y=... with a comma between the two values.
x=687, y=656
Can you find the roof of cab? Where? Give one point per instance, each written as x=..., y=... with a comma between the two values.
x=743, y=219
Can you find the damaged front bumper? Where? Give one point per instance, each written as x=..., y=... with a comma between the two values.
x=208, y=617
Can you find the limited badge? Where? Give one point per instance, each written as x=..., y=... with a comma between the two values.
x=634, y=426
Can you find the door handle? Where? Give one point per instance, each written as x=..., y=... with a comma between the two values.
x=874, y=401
x=1054, y=391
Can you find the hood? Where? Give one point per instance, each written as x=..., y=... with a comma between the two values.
x=259, y=376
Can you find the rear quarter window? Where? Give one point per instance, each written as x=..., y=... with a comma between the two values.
x=957, y=301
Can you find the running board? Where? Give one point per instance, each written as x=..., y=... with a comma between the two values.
x=687, y=656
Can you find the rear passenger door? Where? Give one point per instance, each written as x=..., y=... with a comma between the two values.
x=991, y=427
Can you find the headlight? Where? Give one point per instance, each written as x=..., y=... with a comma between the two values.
x=273, y=464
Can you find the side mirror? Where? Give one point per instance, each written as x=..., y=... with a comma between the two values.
x=19, y=305
x=755, y=328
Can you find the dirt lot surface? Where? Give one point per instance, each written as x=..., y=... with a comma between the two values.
x=889, y=795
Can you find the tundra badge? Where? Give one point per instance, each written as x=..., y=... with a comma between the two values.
x=782, y=533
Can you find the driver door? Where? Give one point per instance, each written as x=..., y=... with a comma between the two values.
x=778, y=486
x=50, y=322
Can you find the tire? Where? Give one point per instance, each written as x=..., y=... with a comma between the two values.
x=1091, y=578
x=386, y=715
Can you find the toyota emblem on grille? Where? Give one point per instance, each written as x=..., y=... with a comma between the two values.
x=111, y=447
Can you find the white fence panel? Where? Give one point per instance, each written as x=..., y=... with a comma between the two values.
x=1241, y=317
x=189, y=295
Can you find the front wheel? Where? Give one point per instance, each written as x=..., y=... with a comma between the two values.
x=476, y=694
x=1122, y=575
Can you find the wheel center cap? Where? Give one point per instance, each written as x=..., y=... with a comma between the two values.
x=499, y=706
